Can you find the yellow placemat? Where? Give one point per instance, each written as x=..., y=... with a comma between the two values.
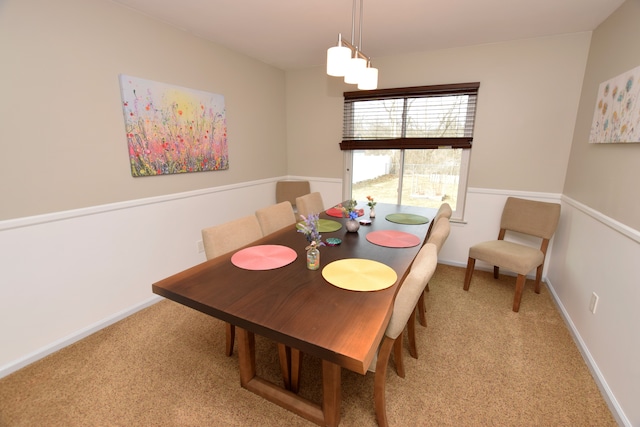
x=357, y=274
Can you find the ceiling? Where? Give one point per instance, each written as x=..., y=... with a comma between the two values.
x=293, y=34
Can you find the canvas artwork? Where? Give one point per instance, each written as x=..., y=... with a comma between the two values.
x=171, y=129
x=616, y=118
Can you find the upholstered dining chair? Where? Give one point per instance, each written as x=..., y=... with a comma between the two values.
x=310, y=204
x=437, y=237
x=290, y=190
x=444, y=211
x=275, y=217
x=528, y=217
x=223, y=238
x=403, y=313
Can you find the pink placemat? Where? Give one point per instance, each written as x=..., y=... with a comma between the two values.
x=337, y=212
x=393, y=239
x=263, y=257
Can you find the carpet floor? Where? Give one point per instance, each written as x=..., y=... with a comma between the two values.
x=479, y=364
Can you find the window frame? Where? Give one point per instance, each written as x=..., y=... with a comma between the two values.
x=348, y=144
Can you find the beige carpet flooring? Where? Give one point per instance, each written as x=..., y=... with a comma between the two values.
x=480, y=364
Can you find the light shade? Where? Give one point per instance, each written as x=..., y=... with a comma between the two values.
x=347, y=60
x=368, y=79
x=338, y=58
x=356, y=67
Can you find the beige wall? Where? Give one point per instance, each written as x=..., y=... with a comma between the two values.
x=61, y=125
x=605, y=177
x=529, y=92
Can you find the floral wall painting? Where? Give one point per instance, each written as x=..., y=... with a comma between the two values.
x=171, y=129
x=616, y=118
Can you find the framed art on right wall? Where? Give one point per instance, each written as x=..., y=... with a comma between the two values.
x=616, y=118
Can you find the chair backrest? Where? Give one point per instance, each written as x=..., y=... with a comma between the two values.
x=227, y=237
x=412, y=287
x=531, y=217
x=310, y=204
x=275, y=217
x=444, y=211
x=290, y=190
x=440, y=232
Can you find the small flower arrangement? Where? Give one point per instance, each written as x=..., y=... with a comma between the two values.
x=349, y=209
x=371, y=203
x=309, y=227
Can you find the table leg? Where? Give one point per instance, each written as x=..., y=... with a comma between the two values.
x=246, y=355
x=290, y=366
x=331, y=395
x=284, y=354
x=296, y=369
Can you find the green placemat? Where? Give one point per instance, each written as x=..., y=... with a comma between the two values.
x=405, y=218
x=326, y=225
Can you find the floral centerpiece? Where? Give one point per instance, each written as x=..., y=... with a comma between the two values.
x=349, y=211
x=372, y=204
x=349, y=208
x=309, y=227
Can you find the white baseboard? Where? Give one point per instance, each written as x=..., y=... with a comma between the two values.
x=613, y=404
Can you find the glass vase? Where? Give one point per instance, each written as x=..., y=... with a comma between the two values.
x=372, y=212
x=352, y=226
x=313, y=258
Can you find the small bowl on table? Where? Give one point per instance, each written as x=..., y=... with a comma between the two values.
x=333, y=241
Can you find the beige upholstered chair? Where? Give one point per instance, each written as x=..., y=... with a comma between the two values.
x=444, y=211
x=403, y=314
x=437, y=237
x=310, y=204
x=275, y=217
x=223, y=238
x=290, y=190
x=538, y=219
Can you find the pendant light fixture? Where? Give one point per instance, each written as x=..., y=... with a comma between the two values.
x=347, y=60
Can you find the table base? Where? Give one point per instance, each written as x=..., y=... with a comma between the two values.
x=327, y=414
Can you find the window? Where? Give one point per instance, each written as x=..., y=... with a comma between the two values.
x=410, y=145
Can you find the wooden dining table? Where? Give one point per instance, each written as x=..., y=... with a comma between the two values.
x=299, y=309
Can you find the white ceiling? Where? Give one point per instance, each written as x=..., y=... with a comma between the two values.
x=296, y=34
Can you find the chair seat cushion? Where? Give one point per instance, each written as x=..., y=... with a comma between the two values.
x=515, y=257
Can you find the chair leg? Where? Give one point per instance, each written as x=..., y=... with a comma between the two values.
x=496, y=271
x=397, y=357
x=380, y=381
x=519, y=288
x=471, y=263
x=411, y=329
x=422, y=317
x=231, y=335
x=538, y=278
